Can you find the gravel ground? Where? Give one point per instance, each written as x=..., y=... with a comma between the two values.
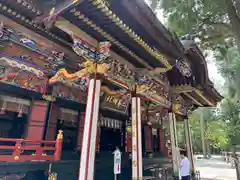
x=215, y=169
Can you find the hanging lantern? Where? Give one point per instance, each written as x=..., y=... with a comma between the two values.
x=3, y=108
x=20, y=111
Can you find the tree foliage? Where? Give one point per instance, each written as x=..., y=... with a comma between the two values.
x=230, y=112
x=215, y=130
x=211, y=21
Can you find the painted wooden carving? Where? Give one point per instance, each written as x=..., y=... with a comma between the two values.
x=184, y=67
x=23, y=75
x=19, y=45
x=178, y=106
x=88, y=68
x=116, y=103
x=83, y=48
x=70, y=93
x=146, y=86
x=121, y=75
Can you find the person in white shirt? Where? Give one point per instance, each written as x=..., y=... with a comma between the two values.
x=184, y=166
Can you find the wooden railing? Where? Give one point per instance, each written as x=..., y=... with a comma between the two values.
x=37, y=147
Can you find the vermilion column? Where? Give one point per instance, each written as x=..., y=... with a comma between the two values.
x=87, y=161
x=36, y=120
x=52, y=122
x=98, y=139
x=148, y=139
x=136, y=139
x=80, y=130
x=128, y=139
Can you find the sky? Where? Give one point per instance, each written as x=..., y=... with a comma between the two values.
x=213, y=73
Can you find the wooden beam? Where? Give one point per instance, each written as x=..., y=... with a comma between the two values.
x=204, y=98
x=70, y=28
x=193, y=99
x=182, y=89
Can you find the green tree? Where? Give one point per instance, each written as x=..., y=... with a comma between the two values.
x=215, y=130
x=230, y=112
x=211, y=21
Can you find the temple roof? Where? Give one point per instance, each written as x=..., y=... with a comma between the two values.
x=204, y=93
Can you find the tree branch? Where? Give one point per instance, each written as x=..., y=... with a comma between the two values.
x=234, y=19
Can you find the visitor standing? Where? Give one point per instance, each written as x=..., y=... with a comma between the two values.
x=184, y=166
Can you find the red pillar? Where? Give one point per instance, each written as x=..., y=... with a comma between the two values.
x=128, y=143
x=52, y=122
x=163, y=148
x=36, y=120
x=148, y=138
x=80, y=130
x=98, y=139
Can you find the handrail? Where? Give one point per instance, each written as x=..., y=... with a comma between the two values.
x=26, y=140
x=22, y=145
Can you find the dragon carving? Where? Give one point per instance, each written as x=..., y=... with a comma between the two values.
x=89, y=67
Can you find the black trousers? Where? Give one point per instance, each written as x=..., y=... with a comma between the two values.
x=185, y=177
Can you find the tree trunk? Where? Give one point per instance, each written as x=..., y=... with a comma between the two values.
x=234, y=20
x=202, y=129
x=236, y=162
x=154, y=4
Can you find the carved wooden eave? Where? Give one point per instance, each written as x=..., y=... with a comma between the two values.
x=200, y=94
x=195, y=101
x=42, y=40
x=200, y=70
x=197, y=96
x=70, y=28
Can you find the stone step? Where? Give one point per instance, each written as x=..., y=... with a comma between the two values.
x=148, y=177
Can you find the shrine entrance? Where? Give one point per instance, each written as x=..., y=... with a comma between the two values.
x=110, y=139
x=18, y=125
x=111, y=135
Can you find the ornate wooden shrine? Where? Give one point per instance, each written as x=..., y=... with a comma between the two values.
x=64, y=63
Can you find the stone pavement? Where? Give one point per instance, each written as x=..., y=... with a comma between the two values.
x=215, y=169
